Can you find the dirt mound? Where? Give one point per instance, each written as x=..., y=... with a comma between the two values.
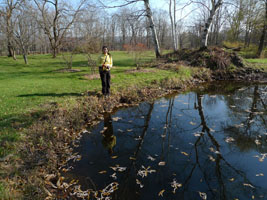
x=213, y=58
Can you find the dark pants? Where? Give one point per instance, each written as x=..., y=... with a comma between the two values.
x=105, y=79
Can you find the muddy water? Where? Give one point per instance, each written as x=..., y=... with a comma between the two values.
x=210, y=143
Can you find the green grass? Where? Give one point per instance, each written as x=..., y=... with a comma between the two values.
x=262, y=61
x=30, y=88
x=258, y=63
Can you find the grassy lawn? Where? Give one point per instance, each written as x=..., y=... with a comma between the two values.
x=26, y=90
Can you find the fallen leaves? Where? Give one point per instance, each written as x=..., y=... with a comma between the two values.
x=184, y=153
x=193, y=123
x=211, y=158
x=118, y=168
x=261, y=174
x=102, y=172
x=151, y=158
x=115, y=119
x=161, y=193
x=229, y=139
x=202, y=195
x=114, y=157
x=162, y=163
x=175, y=185
x=248, y=185
x=143, y=172
x=139, y=183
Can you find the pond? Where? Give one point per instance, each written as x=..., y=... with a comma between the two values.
x=206, y=144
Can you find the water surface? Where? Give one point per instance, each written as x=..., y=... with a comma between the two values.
x=211, y=142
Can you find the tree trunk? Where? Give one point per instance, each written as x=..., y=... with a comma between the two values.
x=25, y=58
x=173, y=27
x=54, y=52
x=153, y=29
x=206, y=31
x=261, y=44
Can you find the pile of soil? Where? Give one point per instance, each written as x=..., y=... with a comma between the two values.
x=223, y=64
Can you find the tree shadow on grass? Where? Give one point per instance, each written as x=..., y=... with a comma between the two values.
x=50, y=94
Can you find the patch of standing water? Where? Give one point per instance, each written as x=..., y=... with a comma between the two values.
x=200, y=145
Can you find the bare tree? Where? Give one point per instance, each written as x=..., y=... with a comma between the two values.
x=172, y=13
x=7, y=13
x=58, y=21
x=215, y=5
x=261, y=44
x=149, y=17
x=24, y=29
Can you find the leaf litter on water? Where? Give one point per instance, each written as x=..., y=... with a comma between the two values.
x=175, y=185
x=161, y=193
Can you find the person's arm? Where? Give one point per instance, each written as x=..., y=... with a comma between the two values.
x=110, y=63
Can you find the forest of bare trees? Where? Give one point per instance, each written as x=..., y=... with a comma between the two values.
x=50, y=26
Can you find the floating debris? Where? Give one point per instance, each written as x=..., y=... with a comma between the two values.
x=261, y=174
x=139, y=183
x=116, y=119
x=162, y=163
x=231, y=179
x=257, y=142
x=104, y=129
x=114, y=176
x=211, y=158
x=151, y=158
x=184, y=153
x=193, y=123
x=229, y=139
x=143, y=172
x=248, y=185
x=175, y=185
x=102, y=172
x=202, y=195
x=114, y=157
x=262, y=157
x=161, y=193
x=118, y=168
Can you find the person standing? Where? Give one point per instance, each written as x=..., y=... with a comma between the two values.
x=105, y=63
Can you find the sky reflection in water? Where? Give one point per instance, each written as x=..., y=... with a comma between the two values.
x=204, y=141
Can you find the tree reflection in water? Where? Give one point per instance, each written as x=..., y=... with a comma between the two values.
x=183, y=139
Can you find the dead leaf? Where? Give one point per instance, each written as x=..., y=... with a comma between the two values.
x=203, y=195
x=139, y=183
x=151, y=158
x=231, y=179
x=116, y=119
x=248, y=185
x=261, y=174
x=162, y=163
x=161, y=193
x=102, y=172
x=211, y=158
x=192, y=123
x=132, y=158
x=184, y=153
x=114, y=157
x=229, y=139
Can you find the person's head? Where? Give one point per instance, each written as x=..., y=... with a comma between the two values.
x=105, y=50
